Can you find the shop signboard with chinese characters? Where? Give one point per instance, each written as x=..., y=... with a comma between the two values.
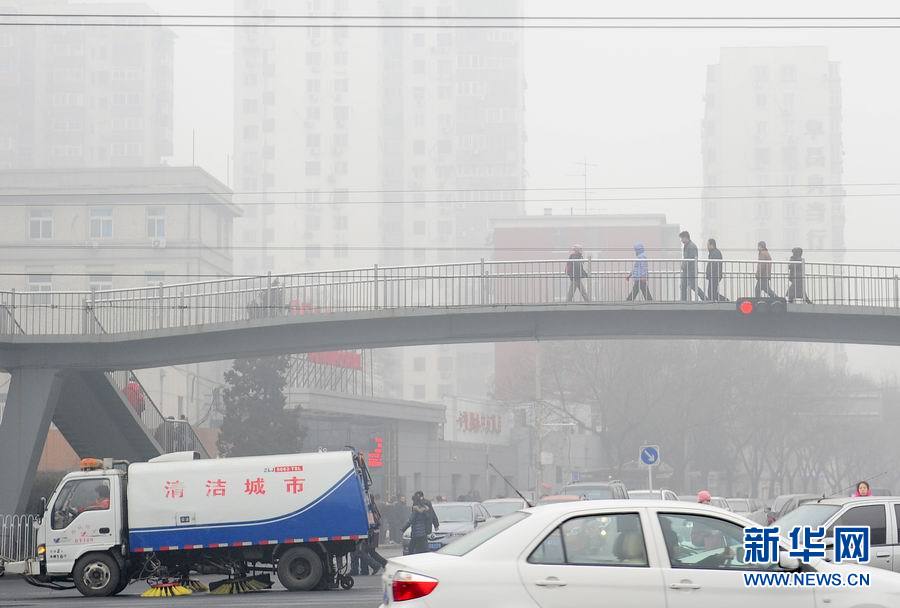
x=470, y=421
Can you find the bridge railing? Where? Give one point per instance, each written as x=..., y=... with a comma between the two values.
x=498, y=283
x=172, y=435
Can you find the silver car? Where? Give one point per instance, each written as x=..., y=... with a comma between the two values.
x=661, y=494
x=880, y=513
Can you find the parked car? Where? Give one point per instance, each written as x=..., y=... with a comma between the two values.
x=456, y=519
x=498, y=507
x=751, y=508
x=786, y=503
x=621, y=553
x=661, y=494
x=721, y=502
x=597, y=490
x=880, y=513
x=552, y=499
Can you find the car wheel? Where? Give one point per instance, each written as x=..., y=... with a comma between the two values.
x=96, y=575
x=299, y=569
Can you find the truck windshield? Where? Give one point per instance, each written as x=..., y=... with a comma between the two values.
x=78, y=496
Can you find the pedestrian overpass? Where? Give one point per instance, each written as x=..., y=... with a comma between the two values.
x=49, y=338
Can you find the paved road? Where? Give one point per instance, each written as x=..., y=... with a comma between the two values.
x=366, y=593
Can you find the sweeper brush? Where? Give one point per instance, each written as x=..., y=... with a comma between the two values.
x=166, y=589
x=195, y=585
x=245, y=584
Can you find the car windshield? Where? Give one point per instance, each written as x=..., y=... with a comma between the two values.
x=482, y=534
x=810, y=514
x=453, y=513
x=499, y=509
x=741, y=505
x=589, y=492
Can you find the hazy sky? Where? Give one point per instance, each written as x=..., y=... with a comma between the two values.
x=631, y=101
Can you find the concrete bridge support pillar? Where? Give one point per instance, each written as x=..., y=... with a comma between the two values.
x=30, y=404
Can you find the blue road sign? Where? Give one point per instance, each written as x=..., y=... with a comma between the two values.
x=650, y=455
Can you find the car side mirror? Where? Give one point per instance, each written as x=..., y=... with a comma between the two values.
x=786, y=562
x=479, y=519
x=43, y=504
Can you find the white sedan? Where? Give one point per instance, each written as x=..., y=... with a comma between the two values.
x=622, y=553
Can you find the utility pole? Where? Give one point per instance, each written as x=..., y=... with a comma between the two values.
x=585, y=165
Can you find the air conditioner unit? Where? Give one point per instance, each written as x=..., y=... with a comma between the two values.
x=158, y=243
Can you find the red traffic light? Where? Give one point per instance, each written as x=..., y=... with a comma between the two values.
x=751, y=307
x=746, y=307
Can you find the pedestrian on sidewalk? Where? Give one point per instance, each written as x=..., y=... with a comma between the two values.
x=764, y=271
x=640, y=274
x=689, y=268
x=796, y=284
x=713, y=272
x=577, y=273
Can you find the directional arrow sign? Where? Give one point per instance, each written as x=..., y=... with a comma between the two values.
x=650, y=455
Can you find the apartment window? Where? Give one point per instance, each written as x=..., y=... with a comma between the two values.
x=40, y=282
x=153, y=278
x=762, y=157
x=313, y=252
x=419, y=364
x=341, y=167
x=815, y=212
x=762, y=129
x=419, y=146
x=313, y=86
x=419, y=66
x=313, y=140
x=814, y=128
x=419, y=228
x=250, y=106
x=156, y=222
x=100, y=282
x=761, y=100
x=341, y=222
x=101, y=223
x=341, y=113
x=40, y=224
x=340, y=58
x=788, y=73
x=313, y=113
x=251, y=132
x=760, y=73
x=815, y=157
x=341, y=85
x=419, y=39
x=341, y=141
x=341, y=251
x=313, y=168
x=419, y=391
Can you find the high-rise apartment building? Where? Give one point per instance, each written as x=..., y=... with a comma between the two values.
x=390, y=147
x=772, y=152
x=84, y=97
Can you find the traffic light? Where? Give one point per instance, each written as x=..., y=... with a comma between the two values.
x=751, y=307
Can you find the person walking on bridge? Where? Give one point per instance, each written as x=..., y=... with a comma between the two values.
x=764, y=271
x=796, y=288
x=713, y=272
x=575, y=270
x=640, y=274
x=689, y=268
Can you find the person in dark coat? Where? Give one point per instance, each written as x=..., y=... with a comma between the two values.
x=713, y=272
x=422, y=520
x=400, y=513
x=577, y=273
x=796, y=284
x=689, y=268
x=764, y=271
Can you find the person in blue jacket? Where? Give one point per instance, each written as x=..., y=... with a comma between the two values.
x=640, y=274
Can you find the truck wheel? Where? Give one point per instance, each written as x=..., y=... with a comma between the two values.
x=96, y=575
x=300, y=569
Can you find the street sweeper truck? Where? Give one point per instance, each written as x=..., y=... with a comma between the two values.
x=297, y=516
